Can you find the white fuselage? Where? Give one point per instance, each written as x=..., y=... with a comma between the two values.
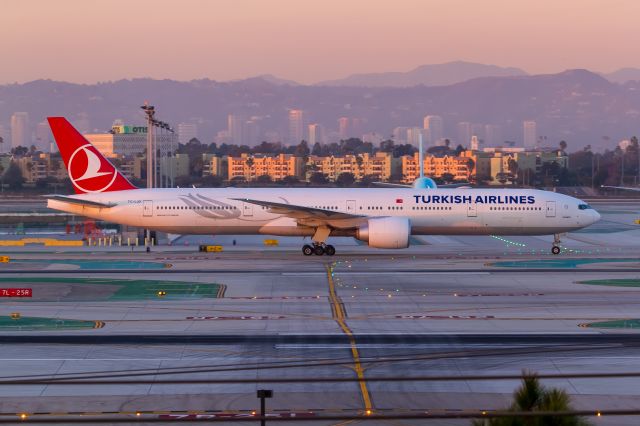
x=459, y=211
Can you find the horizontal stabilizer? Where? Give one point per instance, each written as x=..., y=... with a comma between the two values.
x=80, y=202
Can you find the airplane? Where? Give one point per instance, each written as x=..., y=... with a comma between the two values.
x=384, y=218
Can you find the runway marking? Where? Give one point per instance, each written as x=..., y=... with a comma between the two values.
x=339, y=315
x=443, y=317
x=273, y=297
x=302, y=274
x=172, y=414
x=243, y=317
x=347, y=272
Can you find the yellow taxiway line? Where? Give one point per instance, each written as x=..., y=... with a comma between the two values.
x=338, y=313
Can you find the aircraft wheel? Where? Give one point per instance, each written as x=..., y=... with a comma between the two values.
x=555, y=250
x=330, y=250
x=318, y=250
x=307, y=250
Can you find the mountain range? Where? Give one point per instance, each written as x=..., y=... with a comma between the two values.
x=427, y=75
x=440, y=75
x=578, y=106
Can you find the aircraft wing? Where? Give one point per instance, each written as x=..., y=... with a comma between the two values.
x=310, y=216
x=79, y=201
x=401, y=185
x=391, y=185
x=625, y=188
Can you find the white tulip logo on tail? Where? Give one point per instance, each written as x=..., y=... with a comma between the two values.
x=89, y=172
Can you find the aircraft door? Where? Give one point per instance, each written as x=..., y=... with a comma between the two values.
x=247, y=209
x=351, y=206
x=147, y=208
x=551, y=209
x=472, y=210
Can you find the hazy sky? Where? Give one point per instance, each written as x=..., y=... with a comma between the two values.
x=307, y=41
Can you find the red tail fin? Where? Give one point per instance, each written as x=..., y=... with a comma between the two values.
x=88, y=170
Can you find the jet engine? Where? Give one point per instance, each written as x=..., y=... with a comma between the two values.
x=386, y=232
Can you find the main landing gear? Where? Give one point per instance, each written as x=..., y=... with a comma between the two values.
x=318, y=249
x=556, y=244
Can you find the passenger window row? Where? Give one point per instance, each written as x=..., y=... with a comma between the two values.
x=433, y=208
x=515, y=208
x=196, y=208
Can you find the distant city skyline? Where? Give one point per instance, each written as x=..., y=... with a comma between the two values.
x=87, y=42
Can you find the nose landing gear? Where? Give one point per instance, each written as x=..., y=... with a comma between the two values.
x=556, y=244
x=318, y=249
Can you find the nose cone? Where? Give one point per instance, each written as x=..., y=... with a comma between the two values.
x=595, y=216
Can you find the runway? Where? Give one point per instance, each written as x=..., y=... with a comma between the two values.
x=454, y=307
x=272, y=272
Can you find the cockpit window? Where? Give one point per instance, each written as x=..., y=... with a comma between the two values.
x=584, y=206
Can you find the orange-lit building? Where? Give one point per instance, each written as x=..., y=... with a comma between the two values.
x=250, y=167
x=462, y=168
x=381, y=166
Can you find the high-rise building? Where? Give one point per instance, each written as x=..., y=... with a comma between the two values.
x=464, y=133
x=357, y=127
x=413, y=135
x=475, y=143
x=20, y=134
x=316, y=134
x=251, y=132
x=235, y=125
x=400, y=135
x=296, y=126
x=44, y=138
x=349, y=127
x=186, y=132
x=4, y=140
x=492, y=135
x=530, y=134
x=477, y=129
x=343, y=127
x=435, y=127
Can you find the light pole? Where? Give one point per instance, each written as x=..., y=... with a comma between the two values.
x=150, y=112
x=167, y=129
x=622, y=168
x=593, y=175
x=263, y=394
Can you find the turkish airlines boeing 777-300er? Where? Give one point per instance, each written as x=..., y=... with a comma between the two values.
x=382, y=217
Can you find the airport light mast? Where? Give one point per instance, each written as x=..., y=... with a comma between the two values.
x=150, y=112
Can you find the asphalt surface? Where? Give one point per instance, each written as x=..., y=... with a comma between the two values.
x=593, y=338
x=438, y=309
